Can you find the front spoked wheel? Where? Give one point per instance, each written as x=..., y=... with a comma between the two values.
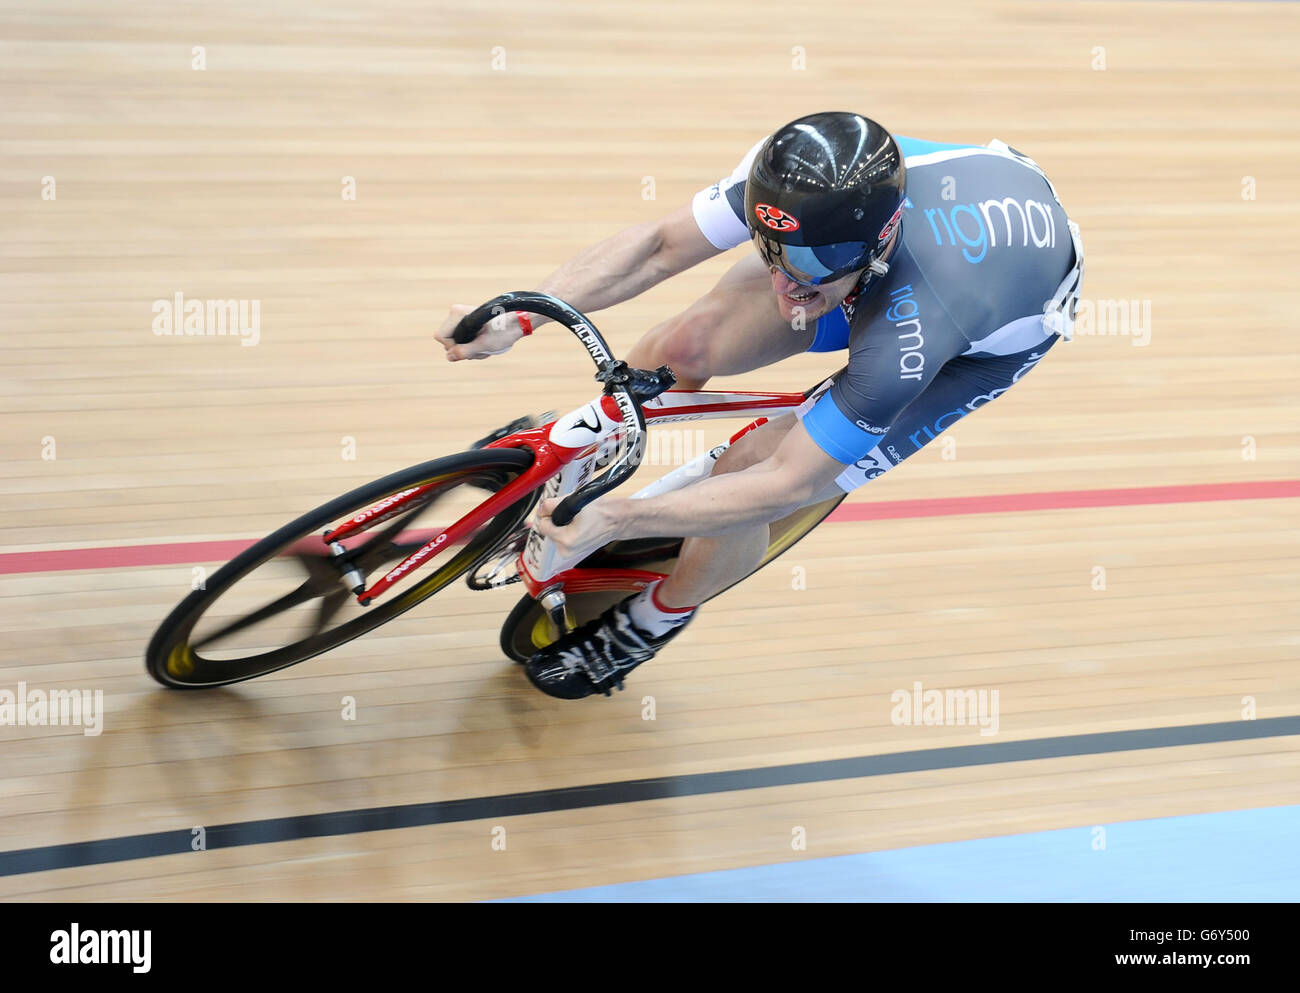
x=288, y=597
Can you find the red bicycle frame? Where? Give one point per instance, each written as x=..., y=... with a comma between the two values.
x=570, y=442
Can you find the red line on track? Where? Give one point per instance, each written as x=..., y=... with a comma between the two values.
x=182, y=552
x=1002, y=503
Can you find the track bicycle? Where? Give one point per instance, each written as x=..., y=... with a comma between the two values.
x=374, y=553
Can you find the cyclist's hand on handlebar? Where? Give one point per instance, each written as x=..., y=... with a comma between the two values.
x=494, y=338
x=592, y=528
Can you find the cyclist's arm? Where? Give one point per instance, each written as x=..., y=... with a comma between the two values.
x=793, y=476
x=630, y=262
x=607, y=273
x=626, y=264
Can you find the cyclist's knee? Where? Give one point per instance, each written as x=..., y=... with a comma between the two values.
x=679, y=343
x=685, y=345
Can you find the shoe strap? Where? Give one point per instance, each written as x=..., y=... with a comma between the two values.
x=595, y=663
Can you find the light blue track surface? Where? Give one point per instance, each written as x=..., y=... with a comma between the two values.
x=1239, y=855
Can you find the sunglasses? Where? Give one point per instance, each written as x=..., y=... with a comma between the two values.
x=813, y=265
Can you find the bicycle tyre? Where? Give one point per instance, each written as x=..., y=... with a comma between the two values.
x=172, y=661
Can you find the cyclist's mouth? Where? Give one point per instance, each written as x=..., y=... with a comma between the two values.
x=801, y=297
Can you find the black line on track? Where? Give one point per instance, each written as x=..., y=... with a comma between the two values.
x=265, y=832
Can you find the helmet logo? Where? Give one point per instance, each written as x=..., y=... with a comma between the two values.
x=775, y=218
x=890, y=224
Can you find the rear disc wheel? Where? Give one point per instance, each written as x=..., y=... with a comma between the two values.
x=528, y=628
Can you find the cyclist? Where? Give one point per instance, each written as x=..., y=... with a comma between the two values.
x=947, y=271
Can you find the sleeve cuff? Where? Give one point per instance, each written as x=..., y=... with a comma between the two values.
x=717, y=221
x=835, y=434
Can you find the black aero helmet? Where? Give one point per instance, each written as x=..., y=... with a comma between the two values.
x=823, y=196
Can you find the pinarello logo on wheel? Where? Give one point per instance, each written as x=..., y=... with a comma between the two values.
x=775, y=218
x=890, y=224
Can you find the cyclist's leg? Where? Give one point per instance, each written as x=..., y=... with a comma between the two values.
x=734, y=328
x=706, y=565
x=962, y=385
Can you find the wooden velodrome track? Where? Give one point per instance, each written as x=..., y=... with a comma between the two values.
x=488, y=143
